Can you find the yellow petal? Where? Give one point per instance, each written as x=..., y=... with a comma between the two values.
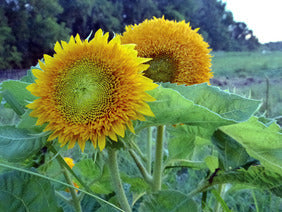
x=113, y=136
x=145, y=110
x=130, y=126
x=58, y=47
x=118, y=128
x=101, y=142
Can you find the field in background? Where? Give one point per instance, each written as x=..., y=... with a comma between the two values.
x=253, y=74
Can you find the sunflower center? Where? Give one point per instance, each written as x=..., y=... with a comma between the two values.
x=162, y=69
x=83, y=93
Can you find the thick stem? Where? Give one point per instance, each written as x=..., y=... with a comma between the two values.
x=149, y=150
x=113, y=165
x=157, y=177
x=75, y=199
x=147, y=177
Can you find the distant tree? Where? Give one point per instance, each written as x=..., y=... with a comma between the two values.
x=34, y=26
x=136, y=11
x=9, y=55
x=214, y=20
x=178, y=10
x=244, y=37
x=84, y=16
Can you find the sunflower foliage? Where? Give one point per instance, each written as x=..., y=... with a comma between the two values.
x=212, y=143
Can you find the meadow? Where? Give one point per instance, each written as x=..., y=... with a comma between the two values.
x=253, y=74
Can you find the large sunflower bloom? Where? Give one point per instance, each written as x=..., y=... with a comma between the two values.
x=180, y=55
x=90, y=90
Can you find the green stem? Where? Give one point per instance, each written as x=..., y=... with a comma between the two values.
x=149, y=150
x=147, y=177
x=221, y=193
x=117, y=181
x=74, y=196
x=138, y=150
x=157, y=176
x=255, y=201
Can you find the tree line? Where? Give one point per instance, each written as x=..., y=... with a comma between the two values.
x=29, y=28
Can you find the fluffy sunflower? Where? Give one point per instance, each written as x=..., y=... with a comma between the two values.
x=179, y=54
x=90, y=90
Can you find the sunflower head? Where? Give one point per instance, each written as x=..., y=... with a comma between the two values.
x=90, y=90
x=179, y=54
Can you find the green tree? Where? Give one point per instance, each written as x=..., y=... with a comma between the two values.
x=34, y=27
x=9, y=55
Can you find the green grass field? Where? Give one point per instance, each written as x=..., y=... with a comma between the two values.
x=248, y=73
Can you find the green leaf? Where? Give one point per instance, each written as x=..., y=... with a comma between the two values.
x=29, y=123
x=98, y=177
x=18, y=90
x=261, y=142
x=256, y=176
x=225, y=104
x=181, y=144
x=167, y=201
x=202, y=106
x=137, y=184
x=212, y=162
x=11, y=100
x=231, y=153
x=7, y=116
x=30, y=78
x=19, y=144
x=23, y=192
x=220, y=200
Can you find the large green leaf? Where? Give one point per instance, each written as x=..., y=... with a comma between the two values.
x=204, y=107
x=29, y=123
x=23, y=192
x=231, y=153
x=167, y=201
x=7, y=116
x=261, y=142
x=255, y=176
x=181, y=143
x=225, y=104
x=19, y=144
x=98, y=177
x=18, y=90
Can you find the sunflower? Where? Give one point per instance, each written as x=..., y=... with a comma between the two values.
x=90, y=90
x=179, y=54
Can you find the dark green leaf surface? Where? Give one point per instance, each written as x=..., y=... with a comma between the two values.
x=256, y=176
x=231, y=153
x=23, y=192
x=261, y=142
x=19, y=144
x=91, y=173
x=18, y=90
x=167, y=201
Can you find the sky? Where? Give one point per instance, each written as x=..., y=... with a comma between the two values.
x=264, y=17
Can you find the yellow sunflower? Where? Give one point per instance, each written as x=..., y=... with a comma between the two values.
x=180, y=55
x=90, y=90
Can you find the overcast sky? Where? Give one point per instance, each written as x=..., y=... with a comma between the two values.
x=264, y=17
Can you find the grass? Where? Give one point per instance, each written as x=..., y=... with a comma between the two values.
x=246, y=73
x=243, y=64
